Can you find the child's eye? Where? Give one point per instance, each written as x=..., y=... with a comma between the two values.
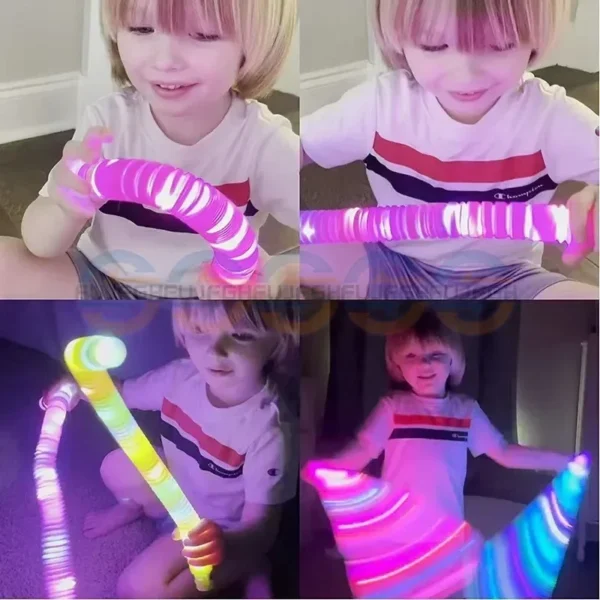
x=440, y=48
x=202, y=37
x=505, y=48
x=243, y=337
x=141, y=30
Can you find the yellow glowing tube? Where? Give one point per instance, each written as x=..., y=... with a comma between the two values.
x=88, y=359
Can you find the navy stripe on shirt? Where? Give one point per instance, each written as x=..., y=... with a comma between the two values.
x=169, y=432
x=423, y=433
x=413, y=187
x=144, y=217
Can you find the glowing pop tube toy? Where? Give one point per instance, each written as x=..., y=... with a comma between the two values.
x=391, y=547
x=198, y=204
x=524, y=560
x=88, y=360
x=56, y=552
x=490, y=220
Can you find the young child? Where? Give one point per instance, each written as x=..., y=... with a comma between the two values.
x=426, y=427
x=459, y=118
x=189, y=73
x=226, y=439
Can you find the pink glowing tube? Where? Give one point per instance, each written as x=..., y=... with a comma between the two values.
x=198, y=204
x=490, y=220
x=391, y=546
x=56, y=553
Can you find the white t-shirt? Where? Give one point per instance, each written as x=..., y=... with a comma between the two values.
x=533, y=139
x=252, y=157
x=426, y=441
x=221, y=457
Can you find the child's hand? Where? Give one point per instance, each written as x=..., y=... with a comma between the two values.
x=583, y=208
x=74, y=193
x=65, y=386
x=276, y=277
x=204, y=546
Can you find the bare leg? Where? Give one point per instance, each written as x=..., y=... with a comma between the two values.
x=25, y=276
x=335, y=270
x=569, y=290
x=160, y=571
x=134, y=497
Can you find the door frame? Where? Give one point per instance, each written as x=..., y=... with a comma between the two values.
x=96, y=80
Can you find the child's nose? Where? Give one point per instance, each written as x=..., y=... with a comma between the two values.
x=467, y=68
x=167, y=53
x=218, y=346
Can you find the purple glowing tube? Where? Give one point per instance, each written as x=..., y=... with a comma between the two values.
x=489, y=220
x=56, y=553
x=198, y=204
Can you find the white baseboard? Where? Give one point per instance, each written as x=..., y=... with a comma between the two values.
x=35, y=107
x=319, y=88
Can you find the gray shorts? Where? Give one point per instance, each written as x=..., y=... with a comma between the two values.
x=95, y=285
x=393, y=276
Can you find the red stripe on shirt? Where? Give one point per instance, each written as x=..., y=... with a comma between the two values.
x=205, y=442
x=489, y=171
x=238, y=193
x=429, y=420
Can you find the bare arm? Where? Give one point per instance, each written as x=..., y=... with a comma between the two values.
x=354, y=457
x=49, y=229
x=514, y=456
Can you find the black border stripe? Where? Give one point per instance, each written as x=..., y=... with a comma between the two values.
x=413, y=187
x=423, y=433
x=170, y=433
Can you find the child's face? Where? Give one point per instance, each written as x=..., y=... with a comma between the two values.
x=232, y=362
x=467, y=85
x=202, y=66
x=425, y=366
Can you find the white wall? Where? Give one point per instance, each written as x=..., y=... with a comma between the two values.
x=40, y=50
x=578, y=47
x=545, y=392
x=335, y=50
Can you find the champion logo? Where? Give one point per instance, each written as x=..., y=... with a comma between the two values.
x=503, y=196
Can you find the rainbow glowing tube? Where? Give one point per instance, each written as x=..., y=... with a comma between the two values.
x=198, y=204
x=490, y=220
x=88, y=360
x=391, y=547
x=524, y=560
x=56, y=551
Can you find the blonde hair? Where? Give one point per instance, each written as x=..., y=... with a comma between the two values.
x=264, y=28
x=262, y=316
x=428, y=328
x=480, y=23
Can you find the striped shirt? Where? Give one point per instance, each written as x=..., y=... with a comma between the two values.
x=251, y=156
x=221, y=457
x=426, y=441
x=533, y=139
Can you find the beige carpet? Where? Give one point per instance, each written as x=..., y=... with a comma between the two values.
x=24, y=168
x=347, y=186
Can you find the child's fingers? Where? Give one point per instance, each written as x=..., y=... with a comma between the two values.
x=582, y=214
x=95, y=139
x=210, y=560
x=65, y=178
